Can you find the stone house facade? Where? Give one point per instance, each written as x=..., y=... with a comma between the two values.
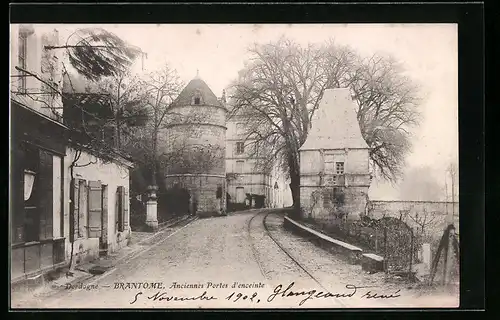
x=248, y=177
x=334, y=162
x=57, y=202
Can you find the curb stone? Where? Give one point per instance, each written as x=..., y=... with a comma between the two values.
x=51, y=288
x=140, y=245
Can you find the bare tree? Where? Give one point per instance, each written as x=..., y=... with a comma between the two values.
x=127, y=100
x=452, y=172
x=282, y=84
x=424, y=220
x=161, y=88
x=152, y=145
x=387, y=109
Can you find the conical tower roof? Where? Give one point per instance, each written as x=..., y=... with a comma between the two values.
x=197, y=87
x=335, y=125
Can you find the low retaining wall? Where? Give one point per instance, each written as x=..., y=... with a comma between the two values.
x=353, y=254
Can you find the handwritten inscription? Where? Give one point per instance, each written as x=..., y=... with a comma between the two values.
x=163, y=296
x=279, y=292
x=315, y=294
x=233, y=297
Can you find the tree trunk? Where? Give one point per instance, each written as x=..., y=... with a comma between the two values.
x=295, y=185
x=295, y=189
x=155, y=159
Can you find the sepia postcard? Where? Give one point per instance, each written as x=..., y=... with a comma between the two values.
x=235, y=166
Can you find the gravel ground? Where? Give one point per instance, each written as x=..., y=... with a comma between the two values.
x=205, y=258
x=214, y=250
x=334, y=273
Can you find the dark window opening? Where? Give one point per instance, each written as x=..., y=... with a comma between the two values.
x=240, y=147
x=197, y=100
x=218, y=193
x=340, y=167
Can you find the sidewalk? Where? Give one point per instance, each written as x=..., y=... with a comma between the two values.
x=81, y=273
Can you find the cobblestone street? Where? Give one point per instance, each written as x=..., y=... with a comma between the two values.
x=210, y=255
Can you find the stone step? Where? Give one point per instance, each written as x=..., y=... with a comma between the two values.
x=372, y=263
x=352, y=253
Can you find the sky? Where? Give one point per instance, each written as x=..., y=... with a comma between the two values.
x=429, y=53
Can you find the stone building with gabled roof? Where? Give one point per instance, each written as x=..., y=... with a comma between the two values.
x=334, y=161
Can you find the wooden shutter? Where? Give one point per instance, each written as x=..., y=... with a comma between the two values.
x=119, y=212
x=104, y=220
x=82, y=204
x=125, y=212
x=95, y=209
x=117, y=209
x=45, y=197
x=75, y=212
x=17, y=208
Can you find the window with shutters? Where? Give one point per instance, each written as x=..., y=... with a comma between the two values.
x=240, y=147
x=95, y=209
x=121, y=214
x=83, y=205
x=35, y=172
x=79, y=200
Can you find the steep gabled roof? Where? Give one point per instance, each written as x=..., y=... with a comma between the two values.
x=194, y=86
x=335, y=125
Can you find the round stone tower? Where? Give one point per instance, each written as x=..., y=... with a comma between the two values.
x=196, y=147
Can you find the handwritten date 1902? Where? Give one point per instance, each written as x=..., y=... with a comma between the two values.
x=237, y=296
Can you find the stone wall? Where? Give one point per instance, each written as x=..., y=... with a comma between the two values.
x=330, y=205
x=203, y=189
x=432, y=215
x=193, y=141
x=318, y=182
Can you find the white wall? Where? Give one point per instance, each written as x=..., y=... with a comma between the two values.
x=56, y=195
x=110, y=174
x=357, y=161
x=35, y=54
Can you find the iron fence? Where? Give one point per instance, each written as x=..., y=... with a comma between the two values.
x=390, y=238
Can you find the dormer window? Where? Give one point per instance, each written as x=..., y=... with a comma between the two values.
x=197, y=98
